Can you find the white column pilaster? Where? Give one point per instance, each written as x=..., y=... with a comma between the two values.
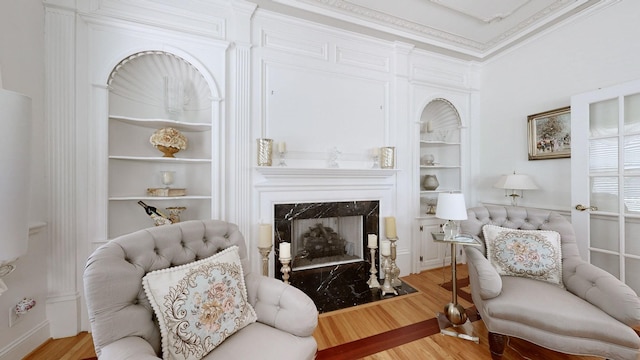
x=239, y=127
x=63, y=296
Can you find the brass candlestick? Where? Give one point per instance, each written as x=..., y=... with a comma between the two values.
x=395, y=270
x=264, y=252
x=285, y=269
x=373, y=279
x=386, y=286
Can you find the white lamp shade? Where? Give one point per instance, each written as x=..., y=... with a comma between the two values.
x=451, y=206
x=15, y=118
x=515, y=182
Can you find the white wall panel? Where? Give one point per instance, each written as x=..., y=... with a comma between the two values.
x=314, y=111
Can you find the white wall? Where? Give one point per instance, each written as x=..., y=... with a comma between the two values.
x=595, y=51
x=21, y=62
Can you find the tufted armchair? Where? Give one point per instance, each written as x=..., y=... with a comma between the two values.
x=122, y=320
x=591, y=315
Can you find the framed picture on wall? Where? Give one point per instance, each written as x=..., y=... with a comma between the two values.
x=550, y=134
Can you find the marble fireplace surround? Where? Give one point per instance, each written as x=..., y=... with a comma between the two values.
x=287, y=217
x=339, y=286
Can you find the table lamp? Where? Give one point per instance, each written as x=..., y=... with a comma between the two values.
x=451, y=207
x=515, y=182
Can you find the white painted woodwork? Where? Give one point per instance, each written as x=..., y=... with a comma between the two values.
x=63, y=299
x=605, y=128
x=84, y=40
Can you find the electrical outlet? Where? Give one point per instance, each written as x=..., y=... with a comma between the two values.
x=13, y=317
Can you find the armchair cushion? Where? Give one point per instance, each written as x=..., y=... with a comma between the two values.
x=534, y=254
x=200, y=304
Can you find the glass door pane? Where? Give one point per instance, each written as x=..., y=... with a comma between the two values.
x=632, y=269
x=603, y=118
x=604, y=193
x=603, y=155
x=632, y=236
x=632, y=154
x=632, y=113
x=604, y=232
x=607, y=262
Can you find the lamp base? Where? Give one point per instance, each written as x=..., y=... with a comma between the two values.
x=464, y=331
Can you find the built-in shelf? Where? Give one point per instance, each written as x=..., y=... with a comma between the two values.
x=439, y=166
x=438, y=142
x=36, y=226
x=157, y=123
x=160, y=198
x=159, y=159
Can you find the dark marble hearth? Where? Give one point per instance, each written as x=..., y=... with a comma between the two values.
x=341, y=286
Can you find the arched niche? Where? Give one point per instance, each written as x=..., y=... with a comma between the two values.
x=159, y=84
x=440, y=121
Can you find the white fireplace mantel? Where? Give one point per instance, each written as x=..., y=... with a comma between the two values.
x=279, y=173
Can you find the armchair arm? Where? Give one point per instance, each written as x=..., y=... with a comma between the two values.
x=128, y=348
x=482, y=274
x=603, y=290
x=282, y=306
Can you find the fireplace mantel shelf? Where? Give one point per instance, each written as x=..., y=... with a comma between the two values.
x=291, y=172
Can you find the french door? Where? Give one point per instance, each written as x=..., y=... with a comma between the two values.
x=605, y=179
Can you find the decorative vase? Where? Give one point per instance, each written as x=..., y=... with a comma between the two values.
x=387, y=157
x=169, y=141
x=167, y=151
x=430, y=182
x=265, y=151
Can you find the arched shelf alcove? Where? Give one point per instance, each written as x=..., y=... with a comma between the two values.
x=439, y=153
x=148, y=91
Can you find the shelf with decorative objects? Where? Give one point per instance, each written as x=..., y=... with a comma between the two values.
x=439, y=170
x=160, y=142
x=440, y=167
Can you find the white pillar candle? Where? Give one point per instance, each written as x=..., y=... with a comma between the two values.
x=375, y=151
x=390, y=227
x=429, y=126
x=373, y=240
x=385, y=247
x=264, y=236
x=285, y=250
x=282, y=147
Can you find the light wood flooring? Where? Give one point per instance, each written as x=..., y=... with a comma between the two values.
x=379, y=320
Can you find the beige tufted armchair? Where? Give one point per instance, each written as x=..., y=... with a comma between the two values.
x=593, y=315
x=122, y=320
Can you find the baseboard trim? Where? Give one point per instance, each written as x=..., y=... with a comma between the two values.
x=25, y=344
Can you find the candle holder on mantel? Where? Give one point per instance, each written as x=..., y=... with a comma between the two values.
x=395, y=270
x=264, y=252
x=285, y=269
x=373, y=279
x=386, y=286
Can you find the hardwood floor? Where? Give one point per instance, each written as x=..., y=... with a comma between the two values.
x=390, y=329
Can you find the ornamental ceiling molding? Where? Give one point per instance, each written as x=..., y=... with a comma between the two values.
x=523, y=28
x=397, y=22
x=528, y=23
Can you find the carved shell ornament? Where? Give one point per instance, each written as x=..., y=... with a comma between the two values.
x=168, y=140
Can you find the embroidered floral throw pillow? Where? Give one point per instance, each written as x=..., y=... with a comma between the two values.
x=534, y=254
x=200, y=304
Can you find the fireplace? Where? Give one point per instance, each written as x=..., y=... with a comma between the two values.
x=330, y=259
x=325, y=234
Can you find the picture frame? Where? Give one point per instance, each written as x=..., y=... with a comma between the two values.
x=550, y=134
